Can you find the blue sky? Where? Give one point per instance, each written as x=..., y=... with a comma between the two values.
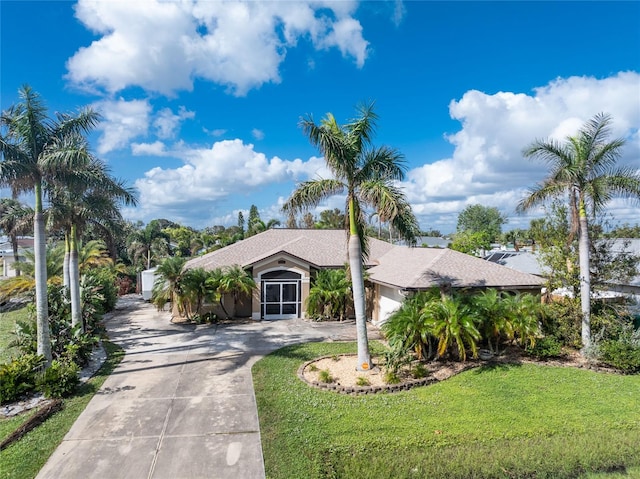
x=201, y=100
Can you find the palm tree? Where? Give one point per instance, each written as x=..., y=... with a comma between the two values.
x=367, y=175
x=149, y=243
x=14, y=220
x=235, y=281
x=33, y=147
x=584, y=169
x=453, y=324
x=329, y=295
x=87, y=194
x=492, y=311
x=167, y=286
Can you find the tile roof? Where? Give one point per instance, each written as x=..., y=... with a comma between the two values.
x=401, y=266
x=320, y=248
x=422, y=268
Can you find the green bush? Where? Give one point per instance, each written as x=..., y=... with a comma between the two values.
x=546, y=348
x=18, y=377
x=622, y=354
x=563, y=320
x=59, y=380
x=105, y=281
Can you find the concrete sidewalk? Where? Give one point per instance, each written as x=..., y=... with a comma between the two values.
x=181, y=404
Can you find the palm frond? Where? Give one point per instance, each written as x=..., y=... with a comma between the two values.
x=309, y=194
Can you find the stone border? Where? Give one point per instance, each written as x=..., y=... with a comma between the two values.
x=360, y=390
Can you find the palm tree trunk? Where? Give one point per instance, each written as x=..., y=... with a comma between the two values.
x=16, y=254
x=585, y=277
x=357, y=283
x=40, y=257
x=65, y=264
x=74, y=280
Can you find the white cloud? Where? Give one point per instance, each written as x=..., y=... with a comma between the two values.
x=156, y=148
x=164, y=46
x=487, y=165
x=257, y=134
x=167, y=123
x=211, y=175
x=122, y=122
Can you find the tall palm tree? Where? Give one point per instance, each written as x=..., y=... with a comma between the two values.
x=368, y=176
x=88, y=193
x=584, y=169
x=33, y=146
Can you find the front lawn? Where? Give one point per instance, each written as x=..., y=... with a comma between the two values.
x=502, y=421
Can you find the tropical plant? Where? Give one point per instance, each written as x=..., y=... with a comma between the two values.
x=330, y=294
x=89, y=193
x=408, y=329
x=235, y=281
x=368, y=176
x=584, y=168
x=525, y=312
x=36, y=151
x=25, y=284
x=166, y=288
x=149, y=244
x=197, y=286
x=453, y=325
x=493, y=318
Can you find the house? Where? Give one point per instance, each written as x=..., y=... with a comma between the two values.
x=7, y=257
x=528, y=262
x=283, y=263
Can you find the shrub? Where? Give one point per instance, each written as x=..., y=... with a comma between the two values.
x=622, y=354
x=419, y=371
x=391, y=378
x=313, y=368
x=546, y=348
x=325, y=376
x=18, y=377
x=563, y=320
x=59, y=380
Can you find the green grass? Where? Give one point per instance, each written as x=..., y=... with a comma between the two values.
x=503, y=421
x=26, y=457
x=7, y=327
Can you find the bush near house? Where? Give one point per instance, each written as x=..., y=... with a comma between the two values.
x=428, y=327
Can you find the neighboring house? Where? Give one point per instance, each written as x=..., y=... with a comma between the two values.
x=523, y=261
x=283, y=263
x=7, y=257
x=528, y=262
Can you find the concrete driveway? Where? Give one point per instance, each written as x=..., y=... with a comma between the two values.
x=181, y=403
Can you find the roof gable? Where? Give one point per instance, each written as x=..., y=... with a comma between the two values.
x=422, y=268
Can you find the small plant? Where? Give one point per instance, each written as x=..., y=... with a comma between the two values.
x=59, y=380
x=18, y=377
x=335, y=357
x=419, y=371
x=546, y=348
x=325, y=376
x=391, y=377
x=362, y=381
x=313, y=368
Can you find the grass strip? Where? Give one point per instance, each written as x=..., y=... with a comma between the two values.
x=24, y=458
x=501, y=421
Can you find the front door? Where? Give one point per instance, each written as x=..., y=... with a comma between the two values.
x=281, y=299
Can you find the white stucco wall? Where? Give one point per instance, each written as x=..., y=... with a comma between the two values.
x=389, y=300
